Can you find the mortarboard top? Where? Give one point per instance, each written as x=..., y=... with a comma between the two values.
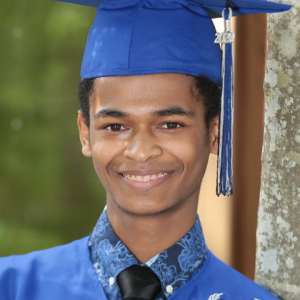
x=139, y=37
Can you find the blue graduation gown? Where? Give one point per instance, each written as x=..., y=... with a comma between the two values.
x=66, y=273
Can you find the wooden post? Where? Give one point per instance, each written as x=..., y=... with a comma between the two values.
x=250, y=52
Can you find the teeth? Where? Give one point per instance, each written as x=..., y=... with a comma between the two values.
x=146, y=178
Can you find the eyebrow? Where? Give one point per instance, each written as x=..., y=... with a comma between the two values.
x=171, y=111
x=106, y=113
x=178, y=111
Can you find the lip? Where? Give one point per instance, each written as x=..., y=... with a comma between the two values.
x=144, y=172
x=146, y=179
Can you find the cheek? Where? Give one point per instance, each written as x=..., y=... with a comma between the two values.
x=193, y=152
x=193, y=144
x=104, y=152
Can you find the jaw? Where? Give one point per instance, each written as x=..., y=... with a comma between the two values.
x=150, y=190
x=149, y=208
x=160, y=197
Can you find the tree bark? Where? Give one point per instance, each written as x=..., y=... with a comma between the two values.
x=278, y=233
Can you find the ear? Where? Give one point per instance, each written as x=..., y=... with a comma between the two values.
x=214, y=135
x=84, y=135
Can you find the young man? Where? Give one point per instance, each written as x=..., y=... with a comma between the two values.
x=149, y=120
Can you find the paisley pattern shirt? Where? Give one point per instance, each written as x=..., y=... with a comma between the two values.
x=174, y=266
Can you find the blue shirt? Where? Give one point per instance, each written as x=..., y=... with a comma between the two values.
x=174, y=266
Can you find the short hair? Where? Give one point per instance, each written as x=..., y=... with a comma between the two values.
x=205, y=90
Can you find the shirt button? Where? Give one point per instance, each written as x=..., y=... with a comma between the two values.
x=111, y=281
x=169, y=289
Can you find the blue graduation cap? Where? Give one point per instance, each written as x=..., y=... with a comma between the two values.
x=139, y=37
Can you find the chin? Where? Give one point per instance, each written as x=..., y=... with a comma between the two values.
x=148, y=209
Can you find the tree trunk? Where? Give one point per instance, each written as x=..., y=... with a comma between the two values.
x=278, y=233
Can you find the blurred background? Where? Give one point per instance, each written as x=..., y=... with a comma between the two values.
x=49, y=192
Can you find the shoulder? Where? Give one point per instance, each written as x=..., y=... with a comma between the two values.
x=218, y=281
x=61, y=271
x=46, y=261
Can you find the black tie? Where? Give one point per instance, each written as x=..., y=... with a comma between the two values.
x=138, y=283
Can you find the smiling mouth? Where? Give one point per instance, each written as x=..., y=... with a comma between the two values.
x=146, y=178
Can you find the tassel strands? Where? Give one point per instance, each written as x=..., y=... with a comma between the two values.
x=224, y=170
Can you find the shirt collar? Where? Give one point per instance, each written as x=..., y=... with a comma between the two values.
x=174, y=266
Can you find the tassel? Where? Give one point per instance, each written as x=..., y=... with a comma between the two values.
x=224, y=169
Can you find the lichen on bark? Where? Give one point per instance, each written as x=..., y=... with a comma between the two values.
x=278, y=233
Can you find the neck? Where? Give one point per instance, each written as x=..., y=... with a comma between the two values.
x=148, y=235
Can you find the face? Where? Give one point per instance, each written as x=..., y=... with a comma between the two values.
x=148, y=141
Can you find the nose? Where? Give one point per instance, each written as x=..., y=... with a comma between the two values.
x=142, y=146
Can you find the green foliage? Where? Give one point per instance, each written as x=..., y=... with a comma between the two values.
x=49, y=193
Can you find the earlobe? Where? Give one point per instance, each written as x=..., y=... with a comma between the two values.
x=214, y=135
x=84, y=136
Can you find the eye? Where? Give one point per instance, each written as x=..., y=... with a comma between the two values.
x=171, y=125
x=115, y=127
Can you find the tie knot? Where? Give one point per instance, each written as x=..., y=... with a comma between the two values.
x=138, y=283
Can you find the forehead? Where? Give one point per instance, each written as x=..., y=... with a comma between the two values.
x=140, y=92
